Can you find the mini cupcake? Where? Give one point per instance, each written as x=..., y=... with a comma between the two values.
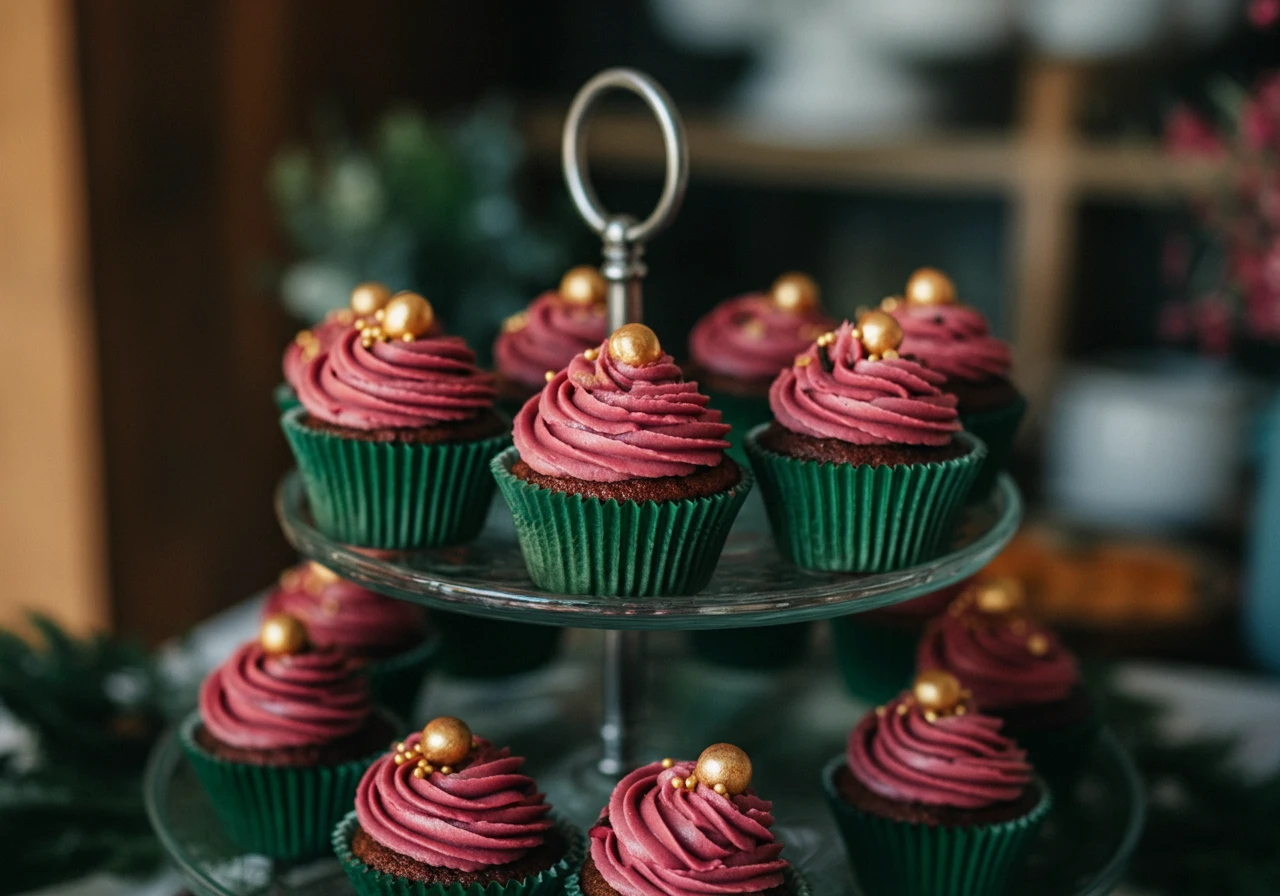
x=395, y=431
x=448, y=812
x=931, y=797
x=282, y=735
x=544, y=337
x=618, y=481
x=865, y=466
x=389, y=636
x=685, y=829
x=954, y=340
x=1018, y=671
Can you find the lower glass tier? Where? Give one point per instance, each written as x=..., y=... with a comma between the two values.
x=753, y=584
x=790, y=722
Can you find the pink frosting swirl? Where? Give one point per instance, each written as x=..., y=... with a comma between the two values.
x=605, y=421
x=657, y=840
x=484, y=814
x=839, y=394
x=953, y=340
x=397, y=385
x=957, y=760
x=260, y=702
x=550, y=333
x=750, y=337
x=341, y=614
x=1006, y=661
x=320, y=338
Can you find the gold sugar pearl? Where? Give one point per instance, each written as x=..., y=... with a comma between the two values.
x=929, y=286
x=549, y=375
x=1038, y=644
x=879, y=332
x=677, y=783
x=795, y=293
x=282, y=635
x=937, y=690
x=668, y=762
x=724, y=766
x=635, y=345
x=516, y=322
x=583, y=285
x=691, y=782
x=369, y=298
x=803, y=360
x=890, y=303
x=999, y=596
x=445, y=741
x=591, y=354
x=407, y=312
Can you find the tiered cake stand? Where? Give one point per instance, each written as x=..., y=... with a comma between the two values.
x=790, y=723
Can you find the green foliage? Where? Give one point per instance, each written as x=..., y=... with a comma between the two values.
x=71, y=795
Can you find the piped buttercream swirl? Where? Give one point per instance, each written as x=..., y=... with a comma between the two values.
x=605, y=421
x=953, y=340
x=654, y=839
x=484, y=814
x=545, y=336
x=837, y=393
x=752, y=338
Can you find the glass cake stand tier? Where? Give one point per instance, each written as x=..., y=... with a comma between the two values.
x=790, y=723
x=753, y=584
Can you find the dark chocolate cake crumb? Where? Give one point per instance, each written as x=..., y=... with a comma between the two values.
x=855, y=793
x=487, y=424
x=781, y=440
x=388, y=861
x=706, y=481
x=376, y=736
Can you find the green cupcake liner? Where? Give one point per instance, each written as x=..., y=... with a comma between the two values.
x=574, y=544
x=997, y=428
x=760, y=647
x=847, y=518
x=901, y=858
x=393, y=495
x=283, y=812
x=371, y=882
x=396, y=681
x=876, y=660
x=794, y=883
x=285, y=398
x=476, y=647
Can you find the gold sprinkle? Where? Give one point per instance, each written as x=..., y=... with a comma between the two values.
x=379, y=315
x=419, y=774
x=399, y=758
x=855, y=333
x=803, y=361
x=677, y=783
x=305, y=338
x=367, y=342
x=753, y=329
x=359, y=323
x=400, y=747
x=902, y=709
x=960, y=710
x=890, y=354
x=309, y=352
x=719, y=788
x=880, y=712
x=549, y=375
x=446, y=770
x=668, y=762
x=930, y=716
x=343, y=316
x=1037, y=644
x=407, y=337
x=890, y=303
x=691, y=782
x=516, y=322
x=591, y=354
x=873, y=357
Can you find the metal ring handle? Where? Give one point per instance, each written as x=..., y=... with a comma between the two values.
x=574, y=144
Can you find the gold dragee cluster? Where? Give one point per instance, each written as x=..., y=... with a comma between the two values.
x=382, y=317
x=583, y=286
x=444, y=743
x=938, y=693
x=1005, y=598
x=725, y=768
x=879, y=333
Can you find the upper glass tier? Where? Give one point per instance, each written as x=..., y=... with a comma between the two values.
x=753, y=585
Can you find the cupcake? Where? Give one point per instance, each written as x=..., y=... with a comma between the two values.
x=395, y=431
x=389, y=636
x=865, y=466
x=875, y=650
x=680, y=829
x=283, y=732
x=618, y=481
x=448, y=812
x=544, y=337
x=932, y=798
x=954, y=340
x=1018, y=671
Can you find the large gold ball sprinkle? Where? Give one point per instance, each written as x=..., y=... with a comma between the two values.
x=583, y=285
x=368, y=298
x=929, y=286
x=407, y=313
x=999, y=596
x=880, y=332
x=635, y=345
x=937, y=690
x=795, y=292
x=445, y=741
x=282, y=635
x=724, y=765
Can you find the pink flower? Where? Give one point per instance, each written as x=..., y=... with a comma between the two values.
x=1187, y=133
x=1263, y=13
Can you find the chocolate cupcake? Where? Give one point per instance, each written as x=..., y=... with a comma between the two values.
x=556, y=326
x=395, y=431
x=390, y=637
x=615, y=462
x=282, y=735
x=1018, y=671
x=447, y=812
x=955, y=340
x=865, y=466
x=931, y=797
x=678, y=828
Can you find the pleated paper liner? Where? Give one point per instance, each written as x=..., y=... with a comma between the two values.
x=876, y=660
x=575, y=544
x=901, y=858
x=393, y=495
x=998, y=428
x=476, y=647
x=794, y=883
x=372, y=882
x=396, y=680
x=847, y=518
x=283, y=812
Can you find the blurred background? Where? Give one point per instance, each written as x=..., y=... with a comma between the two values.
x=184, y=186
